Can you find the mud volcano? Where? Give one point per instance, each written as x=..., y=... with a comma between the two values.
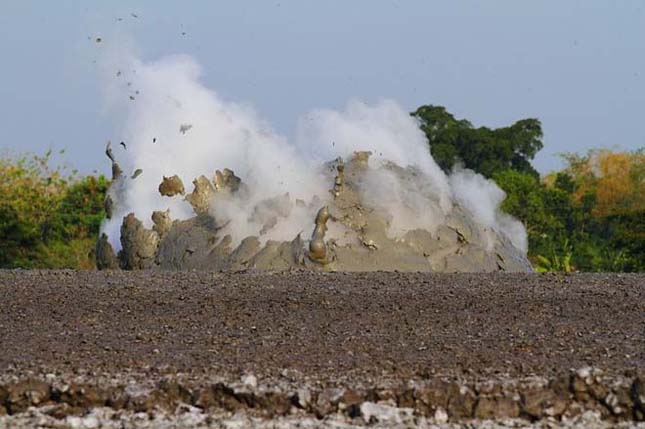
x=353, y=230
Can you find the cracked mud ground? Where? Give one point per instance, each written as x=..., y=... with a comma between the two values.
x=352, y=330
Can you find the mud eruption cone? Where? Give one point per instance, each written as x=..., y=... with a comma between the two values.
x=210, y=185
x=353, y=228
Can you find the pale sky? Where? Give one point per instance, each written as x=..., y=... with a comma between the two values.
x=578, y=66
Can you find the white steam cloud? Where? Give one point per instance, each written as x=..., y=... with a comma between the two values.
x=172, y=124
x=483, y=198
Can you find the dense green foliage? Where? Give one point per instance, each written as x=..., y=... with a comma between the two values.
x=482, y=149
x=566, y=233
x=48, y=219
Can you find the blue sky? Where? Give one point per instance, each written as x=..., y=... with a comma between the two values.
x=579, y=66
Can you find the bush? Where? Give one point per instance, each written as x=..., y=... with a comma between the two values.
x=48, y=218
x=588, y=217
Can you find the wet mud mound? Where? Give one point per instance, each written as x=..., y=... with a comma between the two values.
x=355, y=226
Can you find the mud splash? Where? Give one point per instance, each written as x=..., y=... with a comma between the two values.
x=354, y=227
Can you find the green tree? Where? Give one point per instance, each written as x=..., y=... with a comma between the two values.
x=548, y=214
x=482, y=149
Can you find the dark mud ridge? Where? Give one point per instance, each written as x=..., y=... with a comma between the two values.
x=85, y=349
x=534, y=398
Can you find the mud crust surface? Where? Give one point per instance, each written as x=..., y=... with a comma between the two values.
x=322, y=324
x=318, y=331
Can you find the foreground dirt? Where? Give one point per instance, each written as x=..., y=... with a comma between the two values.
x=302, y=345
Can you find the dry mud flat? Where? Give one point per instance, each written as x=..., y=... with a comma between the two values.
x=303, y=349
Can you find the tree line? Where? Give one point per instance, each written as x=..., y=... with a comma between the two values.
x=590, y=216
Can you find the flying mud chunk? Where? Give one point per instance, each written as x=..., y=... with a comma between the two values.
x=317, y=246
x=138, y=245
x=171, y=186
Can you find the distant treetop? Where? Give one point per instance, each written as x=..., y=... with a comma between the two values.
x=482, y=149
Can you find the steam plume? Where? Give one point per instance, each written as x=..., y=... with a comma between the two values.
x=174, y=125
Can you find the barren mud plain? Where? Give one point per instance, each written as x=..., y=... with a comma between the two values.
x=307, y=349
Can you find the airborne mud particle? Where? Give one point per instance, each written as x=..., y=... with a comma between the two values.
x=171, y=186
x=136, y=173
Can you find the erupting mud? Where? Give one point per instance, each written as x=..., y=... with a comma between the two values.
x=353, y=229
x=352, y=190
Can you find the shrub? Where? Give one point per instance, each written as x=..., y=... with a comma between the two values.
x=48, y=218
